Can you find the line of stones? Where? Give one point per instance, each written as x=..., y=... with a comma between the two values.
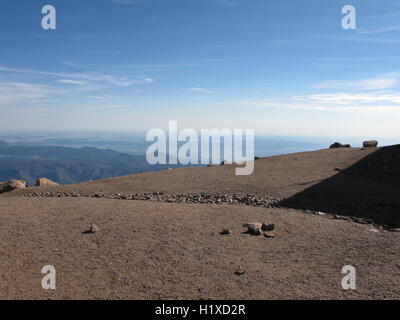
x=263, y=201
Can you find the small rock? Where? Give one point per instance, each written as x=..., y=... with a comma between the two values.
x=240, y=271
x=254, y=228
x=94, y=228
x=338, y=169
x=267, y=227
x=45, y=182
x=370, y=144
x=269, y=234
x=339, y=145
x=336, y=216
x=226, y=231
x=12, y=185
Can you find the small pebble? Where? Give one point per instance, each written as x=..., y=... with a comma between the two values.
x=269, y=234
x=240, y=271
x=94, y=228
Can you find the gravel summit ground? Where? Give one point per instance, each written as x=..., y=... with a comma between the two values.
x=164, y=249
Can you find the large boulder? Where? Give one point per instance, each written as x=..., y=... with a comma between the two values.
x=12, y=185
x=370, y=144
x=45, y=182
x=339, y=145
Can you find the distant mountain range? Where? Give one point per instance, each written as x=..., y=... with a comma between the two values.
x=68, y=165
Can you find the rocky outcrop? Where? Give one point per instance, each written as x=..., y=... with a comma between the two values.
x=370, y=144
x=339, y=145
x=12, y=185
x=45, y=182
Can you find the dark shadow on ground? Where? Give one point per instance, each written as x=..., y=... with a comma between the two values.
x=369, y=189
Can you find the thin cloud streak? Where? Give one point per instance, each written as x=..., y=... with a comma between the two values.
x=365, y=84
x=201, y=90
x=381, y=30
x=109, y=79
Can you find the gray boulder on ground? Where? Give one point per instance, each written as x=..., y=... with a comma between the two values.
x=12, y=185
x=45, y=182
x=339, y=145
x=370, y=144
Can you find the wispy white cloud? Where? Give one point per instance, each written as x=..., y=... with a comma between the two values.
x=358, y=37
x=201, y=90
x=72, y=82
x=102, y=78
x=16, y=91
x=37, y=97
x=379, y=30
x=330, y=104
x=379, y=83
x=368, y=96
x=350, y=99
x=70, y=64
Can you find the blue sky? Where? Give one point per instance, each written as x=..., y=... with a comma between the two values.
x=280, y=67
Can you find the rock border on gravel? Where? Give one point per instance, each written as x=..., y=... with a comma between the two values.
x=263, y=201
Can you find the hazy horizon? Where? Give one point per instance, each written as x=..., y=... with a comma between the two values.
x=134, y=142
